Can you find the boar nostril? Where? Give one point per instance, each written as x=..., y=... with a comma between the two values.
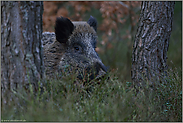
x=104, y=68
x=101, y=70
x=101, y=66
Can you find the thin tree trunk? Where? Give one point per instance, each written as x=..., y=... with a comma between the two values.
x=21, y=48
x=151, y=42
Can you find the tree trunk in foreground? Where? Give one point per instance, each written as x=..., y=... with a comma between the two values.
x=151, y=42
x=21, y=48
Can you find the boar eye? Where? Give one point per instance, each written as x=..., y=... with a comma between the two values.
x=77, y=48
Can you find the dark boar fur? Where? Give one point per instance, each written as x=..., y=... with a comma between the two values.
x=73, y=49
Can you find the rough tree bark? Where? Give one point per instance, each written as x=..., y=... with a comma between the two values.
x=151, y=42
x=21, y=47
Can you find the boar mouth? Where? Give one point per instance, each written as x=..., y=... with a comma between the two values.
x=96, y=71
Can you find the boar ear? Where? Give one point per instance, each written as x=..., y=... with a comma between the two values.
x=63, y=29
x=93, y=23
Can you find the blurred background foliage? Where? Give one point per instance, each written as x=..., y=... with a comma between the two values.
x=117, y=24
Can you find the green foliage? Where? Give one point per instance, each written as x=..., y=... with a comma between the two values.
x=104, y=100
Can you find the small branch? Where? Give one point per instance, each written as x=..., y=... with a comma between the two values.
x=124, y=5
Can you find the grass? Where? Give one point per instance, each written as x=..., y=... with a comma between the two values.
x=111, y=100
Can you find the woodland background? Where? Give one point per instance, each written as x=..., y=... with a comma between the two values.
x=117, y=24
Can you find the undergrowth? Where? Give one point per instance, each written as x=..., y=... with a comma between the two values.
x=105, y=100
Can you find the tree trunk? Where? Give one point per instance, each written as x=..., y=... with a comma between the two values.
x=21, y=47
x=151, y=42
